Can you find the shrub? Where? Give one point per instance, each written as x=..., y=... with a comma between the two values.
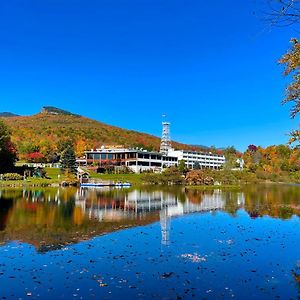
x=168, y=176
x=12, y=176
x=199, y=177
x=123, y=170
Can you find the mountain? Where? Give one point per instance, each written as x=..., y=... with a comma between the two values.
x=56, y=111
x=7, y=115
x=46, y=132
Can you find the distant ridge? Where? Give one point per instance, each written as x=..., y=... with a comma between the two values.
x=201, y=146
x=207, y=148
x=7, y=115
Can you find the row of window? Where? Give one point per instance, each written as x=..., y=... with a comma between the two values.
x=144, y=164
x=203, y=158
x=116, y=156
x=99, y=156
x=203, y=154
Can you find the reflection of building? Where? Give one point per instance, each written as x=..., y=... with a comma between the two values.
x=165, y=224
x=107, y=206
x=141, y=201
x=240, y=199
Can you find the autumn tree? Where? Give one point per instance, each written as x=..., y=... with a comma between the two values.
x=291, y=62
x=8, y=154
x=287, y=13
x=230, y=154
x=80, y=147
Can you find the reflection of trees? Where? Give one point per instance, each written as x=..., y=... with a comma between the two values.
x=194, y=196
x=280, y=201
x=60, y=216
x=66, y=208
x=11, y=193
x=49, y=219
x=6, y=205
x=231, y=202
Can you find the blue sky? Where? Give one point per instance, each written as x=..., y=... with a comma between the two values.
x=211, y=66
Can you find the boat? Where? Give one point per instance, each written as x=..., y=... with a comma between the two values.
x=122, y=184
x=105, y=184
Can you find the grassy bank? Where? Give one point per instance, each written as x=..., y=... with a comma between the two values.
x=229, y=179
x=54, y=178
x=29, y=182
x=135, y=179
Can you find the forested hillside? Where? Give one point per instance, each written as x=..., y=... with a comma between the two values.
x=45, y=133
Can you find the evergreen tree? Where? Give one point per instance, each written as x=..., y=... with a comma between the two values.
x=8, y=154
x=181, y=166
x=197, y=165
x=68, y=160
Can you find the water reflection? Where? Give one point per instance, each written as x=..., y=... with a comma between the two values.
x=223, y=247
x=51, y=218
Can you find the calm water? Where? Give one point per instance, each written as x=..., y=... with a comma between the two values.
x=152, y=243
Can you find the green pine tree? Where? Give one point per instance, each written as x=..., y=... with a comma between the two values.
x=68, y=160
x=181, y=166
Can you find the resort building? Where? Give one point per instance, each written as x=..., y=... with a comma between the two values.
x=143, y=160
x=205, y=160
x=137, y=160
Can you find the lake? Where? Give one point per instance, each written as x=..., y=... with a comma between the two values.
x=163, y=243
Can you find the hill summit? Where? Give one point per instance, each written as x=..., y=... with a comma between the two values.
x=56, y=111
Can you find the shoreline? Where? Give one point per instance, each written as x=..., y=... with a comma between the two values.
x=57, y=184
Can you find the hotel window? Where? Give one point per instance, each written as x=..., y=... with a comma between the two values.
x=103, y=156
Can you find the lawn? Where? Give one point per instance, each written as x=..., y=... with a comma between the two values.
x=53, y=173
x=134, y=179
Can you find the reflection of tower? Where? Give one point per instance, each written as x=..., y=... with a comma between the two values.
x=240, y=199
x=165, y=144
x=165, y=226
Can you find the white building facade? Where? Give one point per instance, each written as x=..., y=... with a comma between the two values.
x=206, y=160
x=141, y=160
